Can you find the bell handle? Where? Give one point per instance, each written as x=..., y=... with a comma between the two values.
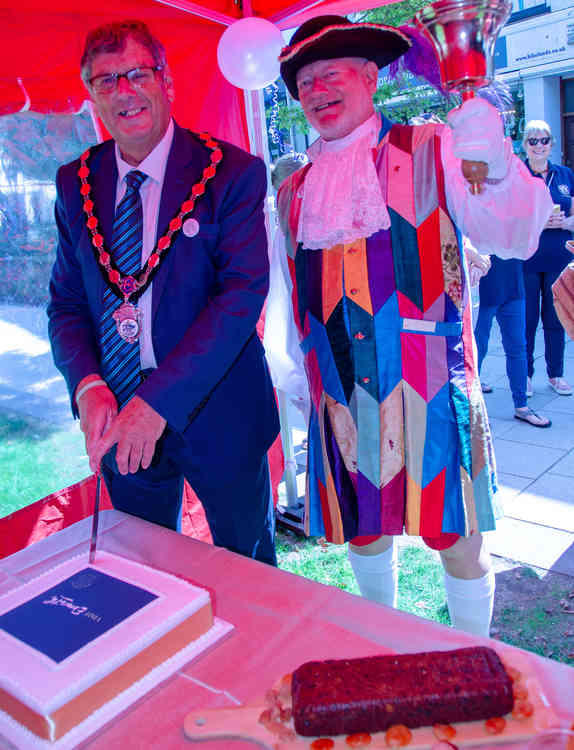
x=475, y=172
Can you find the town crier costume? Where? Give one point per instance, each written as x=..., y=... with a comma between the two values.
x=373, y=267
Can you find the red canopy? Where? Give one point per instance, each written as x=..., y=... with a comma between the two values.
x=42, y=44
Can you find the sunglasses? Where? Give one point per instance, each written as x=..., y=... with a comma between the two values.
x=535, y=141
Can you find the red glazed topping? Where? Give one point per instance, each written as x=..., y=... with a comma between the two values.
x=443, y=731
x=522, y=710
x=520, y=691
x=495, y=725
x=360, y=739
x=323, y=743
x=398, y=736
x=513, y=673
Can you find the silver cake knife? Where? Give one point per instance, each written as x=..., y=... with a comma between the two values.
x=95, y=517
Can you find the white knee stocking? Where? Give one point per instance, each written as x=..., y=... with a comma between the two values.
x=470, y=602
x=377, y=575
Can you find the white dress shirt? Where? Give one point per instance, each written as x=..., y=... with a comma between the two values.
x=154, y=167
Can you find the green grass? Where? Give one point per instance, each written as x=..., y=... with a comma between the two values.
x=37, y=458
x=535, y=617
x=421, y=587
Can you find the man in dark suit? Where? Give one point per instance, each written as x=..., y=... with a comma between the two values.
x=161, y=359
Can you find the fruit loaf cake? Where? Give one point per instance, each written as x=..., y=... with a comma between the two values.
x=370, y=694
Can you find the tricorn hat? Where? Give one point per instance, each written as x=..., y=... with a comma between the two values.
x=328, y=37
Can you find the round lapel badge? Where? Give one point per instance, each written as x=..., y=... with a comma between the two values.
x=190, y=227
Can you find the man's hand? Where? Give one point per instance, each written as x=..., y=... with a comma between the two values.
x=136, y=430
x=97, y=408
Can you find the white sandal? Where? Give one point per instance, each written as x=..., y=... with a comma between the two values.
x=526, y=414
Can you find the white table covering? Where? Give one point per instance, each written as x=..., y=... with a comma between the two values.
x=280, y=619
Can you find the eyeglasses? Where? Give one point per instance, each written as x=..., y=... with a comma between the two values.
x=136, y=77
x=535, y=141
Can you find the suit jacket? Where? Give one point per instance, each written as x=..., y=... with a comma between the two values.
x=211, y=384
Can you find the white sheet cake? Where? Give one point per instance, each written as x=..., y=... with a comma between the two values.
x=50, y=694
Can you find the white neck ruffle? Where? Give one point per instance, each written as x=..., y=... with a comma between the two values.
x=342, y=197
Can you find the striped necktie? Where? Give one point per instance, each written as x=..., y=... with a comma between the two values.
x=121, y=360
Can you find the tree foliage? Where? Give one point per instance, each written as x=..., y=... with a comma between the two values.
x=393, y=14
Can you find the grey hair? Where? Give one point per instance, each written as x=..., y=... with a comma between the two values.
x=533, y=125
x=112, y=37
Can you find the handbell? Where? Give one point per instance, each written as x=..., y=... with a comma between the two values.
x=463, y=34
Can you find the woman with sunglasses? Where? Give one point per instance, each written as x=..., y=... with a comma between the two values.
x=544, y=267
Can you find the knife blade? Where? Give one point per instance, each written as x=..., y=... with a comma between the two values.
x=95, y=518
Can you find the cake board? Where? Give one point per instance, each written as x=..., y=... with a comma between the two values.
x=23, y=739
x=243, y=723
x=80, y=644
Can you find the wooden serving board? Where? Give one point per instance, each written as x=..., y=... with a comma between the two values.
x=243, y=723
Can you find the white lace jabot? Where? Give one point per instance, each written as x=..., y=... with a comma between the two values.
x=342, y=198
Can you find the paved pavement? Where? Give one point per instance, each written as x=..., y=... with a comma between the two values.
x=535, y=466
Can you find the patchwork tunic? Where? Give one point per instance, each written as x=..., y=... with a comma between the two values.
x=398, y=436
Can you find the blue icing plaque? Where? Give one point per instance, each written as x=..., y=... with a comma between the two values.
x=66, y=617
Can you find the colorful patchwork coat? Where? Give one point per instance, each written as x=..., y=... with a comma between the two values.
x=398, y=436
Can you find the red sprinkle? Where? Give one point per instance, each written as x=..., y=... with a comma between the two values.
x=92, y=222
x=163, y=243
x=187, y=207
x=83, y=171
x=85, y=189
x=88, y=206
x=114, y=276
x=209, y=172
x=198, y=189
x=98, y=240
x=175, y=223
x=153, y=260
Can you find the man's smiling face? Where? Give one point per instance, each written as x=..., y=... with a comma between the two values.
x=136, y=118
x=337, y=95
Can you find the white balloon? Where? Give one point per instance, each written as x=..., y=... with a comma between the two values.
x=247, y=53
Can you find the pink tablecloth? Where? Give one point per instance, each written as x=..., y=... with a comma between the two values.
x=280, y=621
